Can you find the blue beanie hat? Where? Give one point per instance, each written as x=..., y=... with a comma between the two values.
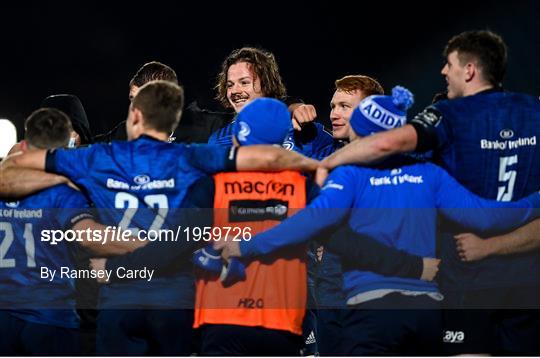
x=380, y=113
x=263, y=121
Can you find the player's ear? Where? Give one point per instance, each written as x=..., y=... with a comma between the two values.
x=23, y=145
x=137, y=116
x=470, y=71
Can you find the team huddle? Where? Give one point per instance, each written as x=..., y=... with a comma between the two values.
x=396, y=234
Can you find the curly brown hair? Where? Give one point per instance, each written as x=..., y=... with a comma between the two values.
x=264, y=66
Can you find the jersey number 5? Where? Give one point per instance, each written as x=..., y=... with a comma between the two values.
x=507, y=178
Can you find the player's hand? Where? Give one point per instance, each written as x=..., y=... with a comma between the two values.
x=219, y=243
x=303, y=114
x=320, y=176
x=231, y=249
x=430, y=269
x=99, y=265
x=232, y=272
x=138, y=243
x=471, y=247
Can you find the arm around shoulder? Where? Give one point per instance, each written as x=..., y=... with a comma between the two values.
x=22, y=174
x=270, y=158
x=374, y=148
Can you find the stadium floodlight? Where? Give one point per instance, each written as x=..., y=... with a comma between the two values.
x=8, y=136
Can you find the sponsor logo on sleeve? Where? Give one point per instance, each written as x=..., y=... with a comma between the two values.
x=429, y=117
x=331, y=185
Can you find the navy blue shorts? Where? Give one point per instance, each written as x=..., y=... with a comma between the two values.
x=330, y=331
x=232, y=340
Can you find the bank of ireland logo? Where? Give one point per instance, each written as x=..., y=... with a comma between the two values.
x=395, y=171
x=141, y=179
x=506, y=133
x=13, y=204
x=244, y=131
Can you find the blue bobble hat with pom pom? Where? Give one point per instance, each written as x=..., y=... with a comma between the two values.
x=380, y=113
x=263, y=121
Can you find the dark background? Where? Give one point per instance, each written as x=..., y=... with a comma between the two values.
x=92, y=49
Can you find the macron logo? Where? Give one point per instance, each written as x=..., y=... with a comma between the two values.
x=454, y=337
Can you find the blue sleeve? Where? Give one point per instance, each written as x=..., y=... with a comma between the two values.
x=211, y=159
x=160, y=255
x=222, y=137
x=74, y=206
x=72, y=163
x=313, y=141
x=325, y=151
x=443, y=130
x=461, y=206
x=327, y=210
x=433, y=129
x=213, y=140
x=322, y=143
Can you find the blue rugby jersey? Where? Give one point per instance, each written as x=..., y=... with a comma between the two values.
x=150, y=177
x=365, y=254
x=397, y=205
x=489, y=142
x=311, y=141
x=222, y=136
x=23, y=255
x=314, y=143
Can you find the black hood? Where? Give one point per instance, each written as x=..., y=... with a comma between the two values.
x=72, y=106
